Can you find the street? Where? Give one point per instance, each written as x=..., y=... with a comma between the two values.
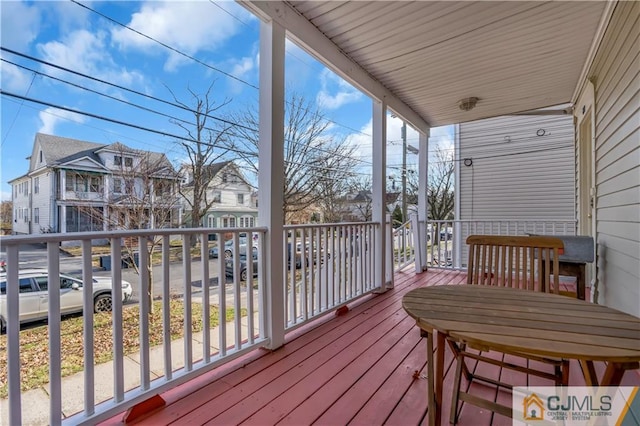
x=35, y=256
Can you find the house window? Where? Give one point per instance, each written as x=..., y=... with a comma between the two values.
x=241, y=199
x=228, y=222
x=95, y=184
x=211, y=222
x=79, y=219
x=128, y=162
x=224, y=178
x=217, y=197
x=81, y=183
x=246, y=221
x=36, y=185
x=36, y=215
x=117, y=186
x=117, y=160
x=68, y=186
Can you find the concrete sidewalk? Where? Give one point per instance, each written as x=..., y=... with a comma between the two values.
x=35, y=402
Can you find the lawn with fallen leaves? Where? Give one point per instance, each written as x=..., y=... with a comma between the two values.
x=34, y=342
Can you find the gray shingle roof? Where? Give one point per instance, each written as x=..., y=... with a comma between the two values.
x=57, y=150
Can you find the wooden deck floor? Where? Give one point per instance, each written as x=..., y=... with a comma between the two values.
x=362, y=368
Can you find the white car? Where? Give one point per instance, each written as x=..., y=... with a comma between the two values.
x=34, y=298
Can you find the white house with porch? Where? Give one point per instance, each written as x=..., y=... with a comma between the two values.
x=229, y=195
x=71, y=185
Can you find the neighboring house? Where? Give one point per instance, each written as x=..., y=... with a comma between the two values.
x=516, y=168
x=79, y=186
x=233, y=202
x=512, y=171
x=358, y=206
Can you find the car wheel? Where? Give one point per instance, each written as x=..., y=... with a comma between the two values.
x=243, y=275
x=227, y=254
x=102, y=303
x=3, y=326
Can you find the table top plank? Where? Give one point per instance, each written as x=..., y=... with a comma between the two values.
x=510, y=344
x=530, y=321
x=536, y=308
x=515, y=330
x=518, y=321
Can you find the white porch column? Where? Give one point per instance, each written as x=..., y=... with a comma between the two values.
x=423, y=205
x=379, y=211
x=271, y=174
x=457, y=226
x=63, y=184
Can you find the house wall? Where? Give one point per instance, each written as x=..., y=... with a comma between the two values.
x=616, y=76
x=42, y=201
x=20, y=198
x=523, y=168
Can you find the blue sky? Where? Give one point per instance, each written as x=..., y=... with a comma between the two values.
x=221, y=40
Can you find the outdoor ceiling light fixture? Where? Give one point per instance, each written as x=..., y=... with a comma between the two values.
x=467, y=104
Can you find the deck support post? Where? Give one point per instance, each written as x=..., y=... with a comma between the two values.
x=379, y=210
x=423, y=205
x=271, y=174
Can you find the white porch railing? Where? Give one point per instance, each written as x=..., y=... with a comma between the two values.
x=329, y=266
x=333, y=265
x=404, y=243
x=446, y=246
x=174, y=361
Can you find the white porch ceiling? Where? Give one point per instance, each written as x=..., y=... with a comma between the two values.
x=514, y=56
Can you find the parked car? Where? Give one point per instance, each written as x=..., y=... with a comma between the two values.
x=229, y=266
x=34, y=298
x=214, y=252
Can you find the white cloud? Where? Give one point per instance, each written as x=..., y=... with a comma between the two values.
x=5, y=195
x=20, y=24
x=50, y=117
x=14, y=79
x=335, y=92
x=186, y=26
x=87, y=53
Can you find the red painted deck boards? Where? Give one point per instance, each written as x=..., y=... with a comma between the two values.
x=355, y=369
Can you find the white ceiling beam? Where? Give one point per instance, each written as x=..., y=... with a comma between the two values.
x=307, y=36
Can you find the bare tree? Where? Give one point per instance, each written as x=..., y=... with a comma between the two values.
x=363, y=201
x=206, y=144
x=316, y=163
x=6, y=214
x=440, y=196
x=141, y=194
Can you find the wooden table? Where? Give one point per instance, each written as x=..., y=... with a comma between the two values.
x=517, y=321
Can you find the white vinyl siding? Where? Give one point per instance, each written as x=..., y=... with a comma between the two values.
x=616, y=76
x=523, y=168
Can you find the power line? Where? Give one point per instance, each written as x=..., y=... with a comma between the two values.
x=194, y=58
x=213, y=117
x=173, y=49
x=111, y=120
x=17, y=112
x=159, y=132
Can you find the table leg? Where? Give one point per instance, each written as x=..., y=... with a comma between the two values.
x=614, y=372
x=589, y=372
x=580, y=282
x=439, y=375
x=431, y=400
